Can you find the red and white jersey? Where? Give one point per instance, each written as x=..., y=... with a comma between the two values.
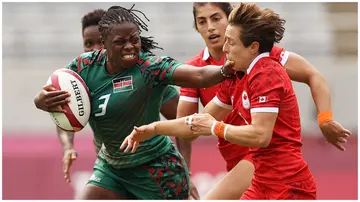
x=266, y=87
x=205, y=94
x=231, y=153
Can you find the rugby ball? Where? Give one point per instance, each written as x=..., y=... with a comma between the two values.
x=78, y=109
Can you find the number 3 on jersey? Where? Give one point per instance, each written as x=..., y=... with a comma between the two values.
x=103, y=105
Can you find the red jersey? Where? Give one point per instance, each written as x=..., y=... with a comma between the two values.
x=232, y=153
x=205, y=94
x=266, y=87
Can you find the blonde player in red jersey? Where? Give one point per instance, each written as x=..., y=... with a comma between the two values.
x=211, y=21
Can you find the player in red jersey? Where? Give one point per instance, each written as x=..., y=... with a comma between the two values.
x=210, y=20
x=160, y=129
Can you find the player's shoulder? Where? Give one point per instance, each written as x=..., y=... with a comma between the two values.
x=148, y=60
x=265, y=65
x=90, y=59
x=196, y=59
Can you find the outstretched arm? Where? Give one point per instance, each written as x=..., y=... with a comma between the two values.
x=190, y=76
x=299, y=69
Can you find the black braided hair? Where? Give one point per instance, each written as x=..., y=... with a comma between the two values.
x=92, y=18
x=118, y=15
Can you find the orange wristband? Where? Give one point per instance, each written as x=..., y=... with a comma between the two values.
x=218, y=129
x=324, y=117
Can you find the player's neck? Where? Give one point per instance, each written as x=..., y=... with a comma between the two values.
x=113, y=69
x=217, y=54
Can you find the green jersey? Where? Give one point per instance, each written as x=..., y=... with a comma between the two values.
x=169, y=93
x=120, y=102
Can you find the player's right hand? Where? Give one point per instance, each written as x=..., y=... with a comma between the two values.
x=69, y=156
x=49, y=99
x=194, y=194
x=138, y=135
x=335, y=134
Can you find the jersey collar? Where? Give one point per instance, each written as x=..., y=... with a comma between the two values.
x=252, y=64
x=206, y=54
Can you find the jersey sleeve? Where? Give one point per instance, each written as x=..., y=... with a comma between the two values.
x=158, y=70
x=279, y=54
x=189, y=94
x=169, y=93
x=223, y=95
x=266, y=89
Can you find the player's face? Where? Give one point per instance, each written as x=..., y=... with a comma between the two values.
x=211, y=22
x=236, y=51
x=123, y=45
x=91, y=39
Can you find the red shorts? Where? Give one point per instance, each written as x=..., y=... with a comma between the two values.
x=302, y=190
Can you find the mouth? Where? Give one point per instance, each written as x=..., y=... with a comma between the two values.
x=129, y=56
x=214, y=37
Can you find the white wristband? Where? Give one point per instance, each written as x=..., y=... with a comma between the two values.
x=226, y=128
x=212, y=128
x=188, y=120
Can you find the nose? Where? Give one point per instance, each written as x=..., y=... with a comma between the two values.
x=128, y=46
x=225, y=47
x=211, y=27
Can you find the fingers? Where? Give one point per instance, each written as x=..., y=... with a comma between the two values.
x=49, y=87
x=347, y=132
x=57, y=100
x=339, y=146
x=341, y=140
x=136, y=144
x=56, y=109
x=123, y=144
x=67, y=163
x=194, y=194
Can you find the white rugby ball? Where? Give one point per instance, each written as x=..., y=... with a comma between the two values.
x=78, y=109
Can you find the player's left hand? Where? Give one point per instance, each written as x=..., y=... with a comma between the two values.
x=201, y=124
x=137, y=135
x=335, y=134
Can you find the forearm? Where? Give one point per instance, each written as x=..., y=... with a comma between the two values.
x=210, y=76
x=320, y=93
x=247, y=136
x=194, y=77
x=66, y=138
x=176, y=128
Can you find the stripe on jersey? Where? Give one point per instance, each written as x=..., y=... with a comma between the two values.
x=265, y=109
x=189, y=99
x=221, y=104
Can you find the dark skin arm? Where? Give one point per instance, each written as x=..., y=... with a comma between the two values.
x=188, y=76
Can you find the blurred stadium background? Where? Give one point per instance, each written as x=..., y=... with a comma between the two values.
x=41, y=37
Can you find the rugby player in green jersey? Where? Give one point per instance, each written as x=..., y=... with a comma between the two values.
x=126, y=83
x=91, y=42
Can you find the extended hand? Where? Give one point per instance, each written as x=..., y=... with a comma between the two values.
x=137, y=135
x=335, y=134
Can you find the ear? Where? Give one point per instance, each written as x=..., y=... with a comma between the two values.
x=254, y=47
x=103, y=42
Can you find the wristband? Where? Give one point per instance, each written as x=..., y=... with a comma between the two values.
x=218, y=128
x=324, y=117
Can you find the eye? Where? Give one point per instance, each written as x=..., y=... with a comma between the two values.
x=217, y=19
x=201, y=22
x=88, y=44
x=135, y=40
x=120, y=42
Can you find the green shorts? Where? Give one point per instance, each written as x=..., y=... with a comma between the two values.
x=166, y=177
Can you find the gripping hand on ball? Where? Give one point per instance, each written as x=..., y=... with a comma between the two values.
x=49, y=99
